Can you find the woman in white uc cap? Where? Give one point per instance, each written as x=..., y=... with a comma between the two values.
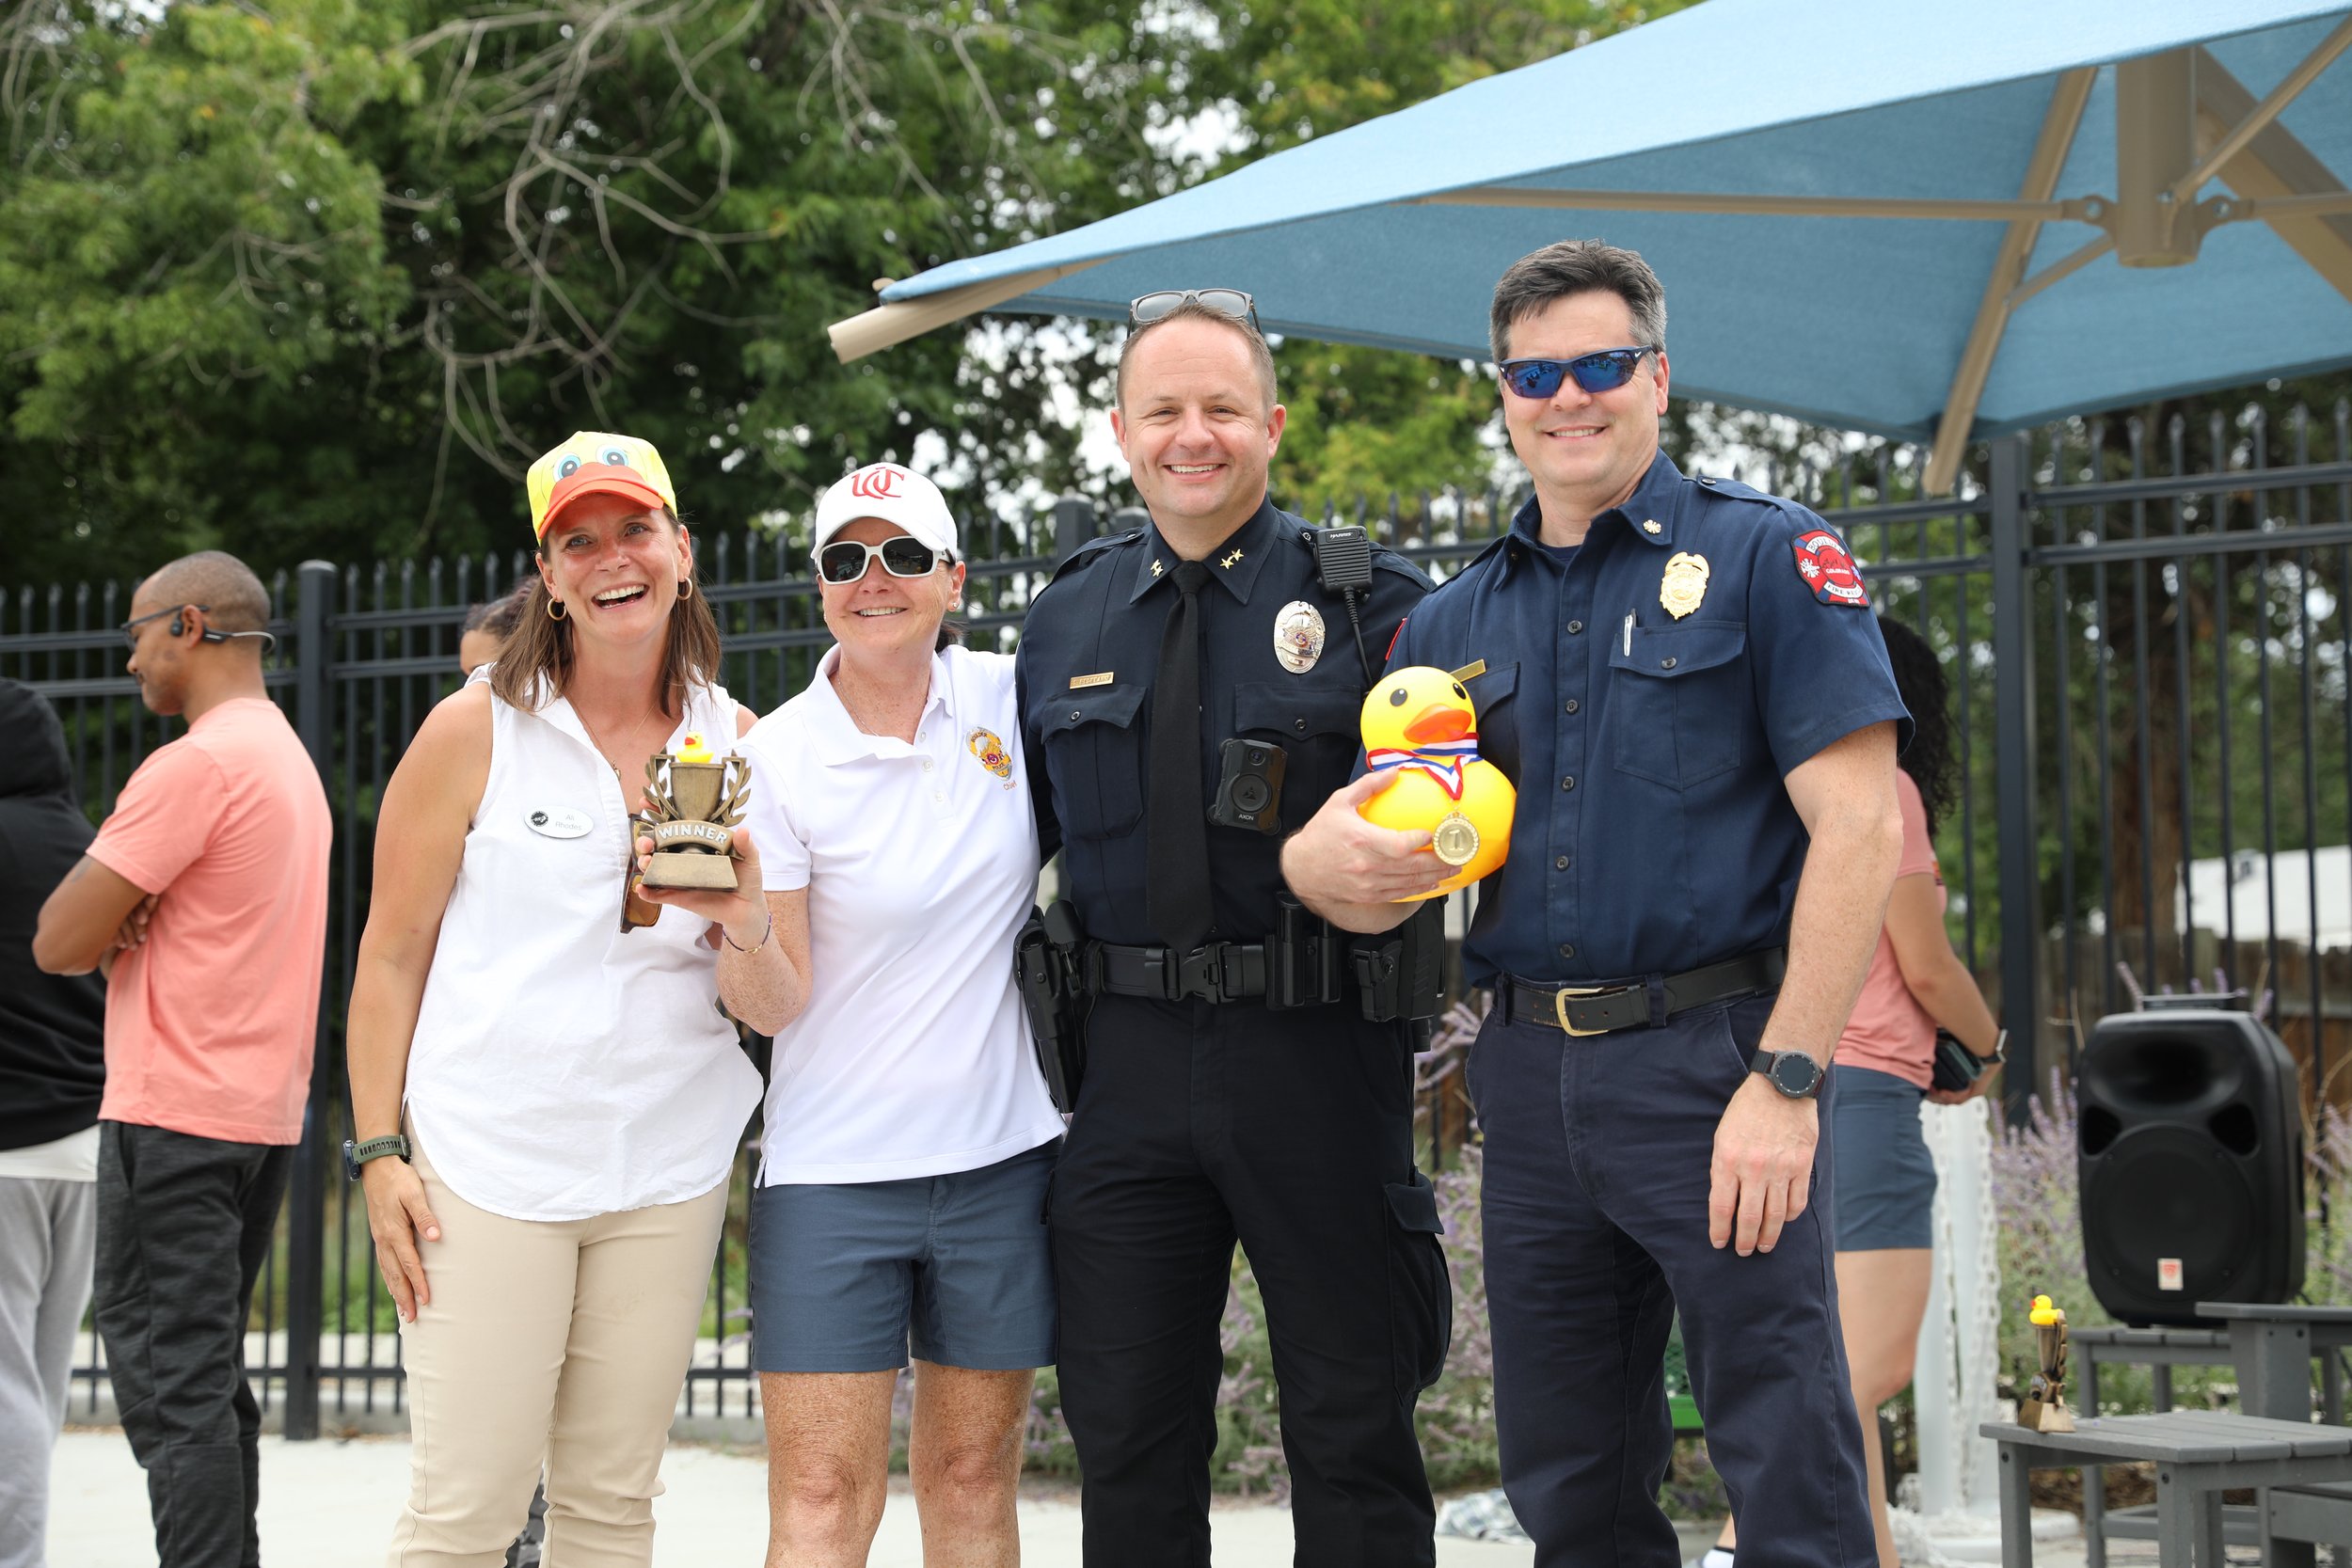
x=909, y=1134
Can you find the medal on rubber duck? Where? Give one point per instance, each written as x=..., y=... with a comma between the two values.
x=1419, y=723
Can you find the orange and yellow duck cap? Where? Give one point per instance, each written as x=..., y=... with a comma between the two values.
x=596, y=461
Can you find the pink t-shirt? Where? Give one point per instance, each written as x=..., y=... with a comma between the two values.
x=209, y=1027
x=1890, y=1031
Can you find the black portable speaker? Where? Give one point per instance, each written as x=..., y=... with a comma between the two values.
x=2190, y=1154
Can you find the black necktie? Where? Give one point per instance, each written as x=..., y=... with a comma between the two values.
x=1176, y=824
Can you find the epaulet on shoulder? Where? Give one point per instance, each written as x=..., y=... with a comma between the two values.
x=1094, y=549
x=1389, y=559
x=1793, y=512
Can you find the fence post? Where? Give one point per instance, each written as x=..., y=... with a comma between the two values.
x=1073, y=525
x=2014, y=774
x=306, y=1215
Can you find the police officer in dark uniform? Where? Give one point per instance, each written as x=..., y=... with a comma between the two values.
x=1189, y=691
x=1685, y=681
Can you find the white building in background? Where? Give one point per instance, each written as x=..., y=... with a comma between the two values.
x=2239, y=892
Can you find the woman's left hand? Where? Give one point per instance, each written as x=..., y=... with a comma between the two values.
x=742, y=913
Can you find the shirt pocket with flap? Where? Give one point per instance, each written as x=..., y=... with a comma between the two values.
x=1679, y=702
x=1319, y=730
x=1094, y=755
x=1490, y=692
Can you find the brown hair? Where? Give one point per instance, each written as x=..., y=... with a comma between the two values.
x=1578, y=267
x=1261, y=357
x=542, y=646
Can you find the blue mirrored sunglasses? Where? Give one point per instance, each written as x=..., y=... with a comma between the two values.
x=1604, y=372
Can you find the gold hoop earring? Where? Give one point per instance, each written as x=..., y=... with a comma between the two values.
x=686, y=588
x=555, y=609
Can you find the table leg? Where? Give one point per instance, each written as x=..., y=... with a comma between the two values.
x=2016, y=1482
x=2207, y=1503
x=2094, y=1481
x=2176, y=1523
x=2274, y=1368
x=2160, y=1381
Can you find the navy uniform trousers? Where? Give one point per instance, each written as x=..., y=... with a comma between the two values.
x=1598, y=1153
x=1198, y=1125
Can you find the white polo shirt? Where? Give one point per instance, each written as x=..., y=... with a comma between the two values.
x=913, y=1056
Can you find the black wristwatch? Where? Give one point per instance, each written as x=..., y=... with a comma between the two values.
x=1795, y=1074
x=356, y=1155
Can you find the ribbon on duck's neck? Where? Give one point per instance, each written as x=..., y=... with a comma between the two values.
x=1442, y=760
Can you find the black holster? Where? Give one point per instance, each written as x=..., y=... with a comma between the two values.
x=1400, y=973
x=1046, y=969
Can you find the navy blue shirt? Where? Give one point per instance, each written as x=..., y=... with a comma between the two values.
x=1089, y=654
x=1654, y=833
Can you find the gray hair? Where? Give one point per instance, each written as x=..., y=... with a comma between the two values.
x=1578, y=267
x=1261, y=357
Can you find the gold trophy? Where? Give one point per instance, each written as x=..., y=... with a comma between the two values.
x=2043, y=1408
x=692, y=802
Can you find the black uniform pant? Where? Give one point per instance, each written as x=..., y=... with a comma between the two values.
x=183, y=1225
x=1594, y=1209
x=1196, y=1125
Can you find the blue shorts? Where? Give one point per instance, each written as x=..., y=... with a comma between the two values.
x=849, y=1276
x=1883, y=1181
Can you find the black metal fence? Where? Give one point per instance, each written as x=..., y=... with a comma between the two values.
x=2145, y=634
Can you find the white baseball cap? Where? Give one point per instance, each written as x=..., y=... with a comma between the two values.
x=897, y=496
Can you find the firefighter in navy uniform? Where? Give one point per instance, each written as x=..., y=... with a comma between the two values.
x=1190, y=691
x=1686, y=682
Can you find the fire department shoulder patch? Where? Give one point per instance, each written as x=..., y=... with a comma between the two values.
x=1828, y=571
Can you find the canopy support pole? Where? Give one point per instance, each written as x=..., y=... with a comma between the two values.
x=885, y=324
x=2251, y=124
x=2058, y=124
x=2270, y=166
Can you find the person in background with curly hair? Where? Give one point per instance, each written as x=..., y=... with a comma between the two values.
x=1883, y=1181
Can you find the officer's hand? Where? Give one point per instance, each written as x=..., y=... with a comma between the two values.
x=1337, y=858
x=742, y=912
x=1763, y=1166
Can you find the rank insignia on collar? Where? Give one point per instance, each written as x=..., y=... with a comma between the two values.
x=1684, y=584
x=1228, y=562
x=1653, y=525
x=1298, y=636
x=1156, y=568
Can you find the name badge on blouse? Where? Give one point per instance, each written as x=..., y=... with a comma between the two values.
x=558, y=821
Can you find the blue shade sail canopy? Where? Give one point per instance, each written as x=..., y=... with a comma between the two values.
x=1928, y=220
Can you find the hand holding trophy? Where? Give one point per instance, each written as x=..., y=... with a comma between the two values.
x=689, y=850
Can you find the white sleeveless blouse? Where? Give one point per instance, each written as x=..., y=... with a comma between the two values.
x=563, y=1069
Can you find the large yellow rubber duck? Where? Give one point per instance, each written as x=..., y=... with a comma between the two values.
x=1419, y=723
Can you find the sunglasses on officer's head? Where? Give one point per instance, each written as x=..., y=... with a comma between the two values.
x=846, y=560
x=1604, y=372
x=1146, y=308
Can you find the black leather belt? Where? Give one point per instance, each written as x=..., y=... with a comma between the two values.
x=1626, y=1004
x=1221, y=972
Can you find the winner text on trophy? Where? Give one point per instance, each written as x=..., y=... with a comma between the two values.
x=691, y=807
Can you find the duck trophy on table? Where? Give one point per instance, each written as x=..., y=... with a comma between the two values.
x=694, y=801
x=2043, y=1408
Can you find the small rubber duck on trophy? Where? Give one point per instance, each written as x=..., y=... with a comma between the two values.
x=2043, y=1408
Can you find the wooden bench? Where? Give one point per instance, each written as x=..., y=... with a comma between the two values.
x=2197, y=1454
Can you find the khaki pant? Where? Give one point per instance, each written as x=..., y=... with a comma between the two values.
x=562, y=1342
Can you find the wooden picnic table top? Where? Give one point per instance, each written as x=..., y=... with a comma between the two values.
x=2182, y=1437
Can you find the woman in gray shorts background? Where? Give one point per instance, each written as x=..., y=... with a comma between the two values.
x=909, y=1135
x=1882, y=1179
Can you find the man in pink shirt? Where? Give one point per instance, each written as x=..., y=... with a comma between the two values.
x=204, y=897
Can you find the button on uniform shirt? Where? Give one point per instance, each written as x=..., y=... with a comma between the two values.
x=1088, y=655
x=1648, y=692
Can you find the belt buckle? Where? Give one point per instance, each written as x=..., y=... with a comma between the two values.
x=1199, y=973
x=1560, y=1006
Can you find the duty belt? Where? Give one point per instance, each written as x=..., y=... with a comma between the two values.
x=1627, y=1004
x=1220, y=972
